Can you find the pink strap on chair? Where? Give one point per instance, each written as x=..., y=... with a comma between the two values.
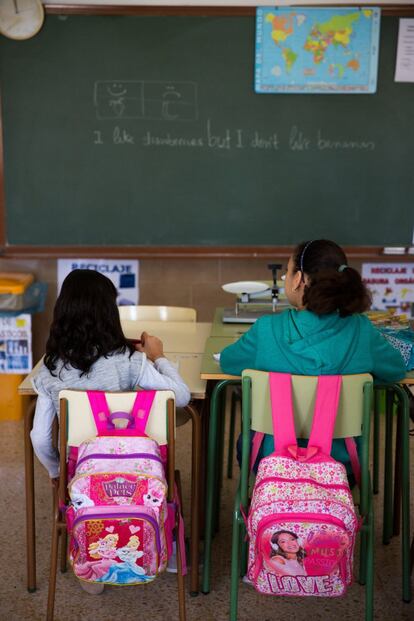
x=137, y=418
x=284, y=434
x=351, y=447
x=256, y=444
x=326, y=407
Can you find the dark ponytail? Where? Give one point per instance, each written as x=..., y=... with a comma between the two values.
x=331, y=284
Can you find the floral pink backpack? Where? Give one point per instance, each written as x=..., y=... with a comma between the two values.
x=119, y=521
x=302, y=522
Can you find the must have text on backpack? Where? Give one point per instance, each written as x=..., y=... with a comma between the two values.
x=119, y=520
x=302, y=522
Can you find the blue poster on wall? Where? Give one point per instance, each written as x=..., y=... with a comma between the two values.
x=317, y=50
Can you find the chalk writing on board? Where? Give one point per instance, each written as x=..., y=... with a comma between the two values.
x=292, y=138
x=140, y=99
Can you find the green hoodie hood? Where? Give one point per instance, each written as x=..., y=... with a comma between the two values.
x=315, y=344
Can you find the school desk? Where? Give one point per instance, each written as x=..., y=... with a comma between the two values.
x=183, y=345
x=177, y=336
x=219, y=328
x=211, y=371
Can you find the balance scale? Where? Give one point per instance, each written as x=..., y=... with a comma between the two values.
x=255, y=299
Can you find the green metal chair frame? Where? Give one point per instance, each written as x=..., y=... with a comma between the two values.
x=214, y=466
x=362, y=419
x=397, y=507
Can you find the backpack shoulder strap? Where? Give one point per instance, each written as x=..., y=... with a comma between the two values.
x=142, y=408
x=137, y=418
x=282, y=411
x=100, y=410
x=326, y=407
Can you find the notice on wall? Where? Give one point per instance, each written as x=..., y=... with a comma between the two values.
x=16, y=344
x=391, y=285
x=404, y=69
x=124, y=275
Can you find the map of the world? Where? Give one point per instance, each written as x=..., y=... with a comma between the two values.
x=317, y=50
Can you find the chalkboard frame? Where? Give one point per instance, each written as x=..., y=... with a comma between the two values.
x=15, y=251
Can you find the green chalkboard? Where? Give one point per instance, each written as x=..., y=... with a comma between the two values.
x=146, y=131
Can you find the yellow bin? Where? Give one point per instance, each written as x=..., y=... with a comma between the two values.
x=12, y=405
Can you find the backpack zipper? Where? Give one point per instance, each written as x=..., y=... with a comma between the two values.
x=326, y=501
x=301, y=480
x=118, y=456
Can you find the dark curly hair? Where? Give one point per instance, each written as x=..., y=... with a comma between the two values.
x=331, y=285
x=86, y=323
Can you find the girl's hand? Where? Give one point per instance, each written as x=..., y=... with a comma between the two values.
x=151, y=345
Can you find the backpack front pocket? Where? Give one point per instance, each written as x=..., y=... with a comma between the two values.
x=114, y=545
x=303, y=554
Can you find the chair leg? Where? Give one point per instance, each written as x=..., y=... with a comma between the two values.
x=405, y=492
x=369, y=589
x=211, y=468
x=363, y=558
x=376, y=440
x=30, y=500
x=388, y=507
x=397, y=475
x=63, y=551
x=243, y=555
x=195, y=499
x=235, y=571
x=56, y=531
x=180, y=587
x=220, y=458
x=180, y=576
x=230, y=454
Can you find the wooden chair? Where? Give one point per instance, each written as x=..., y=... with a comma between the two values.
x=77, y=425
x=353, y=419
x=157, y=313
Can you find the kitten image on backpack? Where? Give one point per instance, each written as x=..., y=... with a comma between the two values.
x=119, y=521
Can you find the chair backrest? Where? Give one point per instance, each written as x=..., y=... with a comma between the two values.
x=81, y=424
x=157, y=313
x=350, y=410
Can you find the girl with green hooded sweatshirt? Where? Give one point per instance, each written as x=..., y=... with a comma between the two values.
x=323, y=334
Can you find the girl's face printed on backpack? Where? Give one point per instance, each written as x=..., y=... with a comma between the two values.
x=107, y=543
x=288, y=543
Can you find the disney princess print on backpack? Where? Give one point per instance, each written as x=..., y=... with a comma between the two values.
x=119, y=520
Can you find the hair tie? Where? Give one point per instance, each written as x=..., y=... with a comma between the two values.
x=341, y=268
x=303, y=254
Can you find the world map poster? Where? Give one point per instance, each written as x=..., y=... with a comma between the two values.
x=317, y=50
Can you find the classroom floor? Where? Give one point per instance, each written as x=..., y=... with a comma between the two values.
x=157, y=601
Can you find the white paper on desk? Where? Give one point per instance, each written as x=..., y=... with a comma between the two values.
x=404, y=68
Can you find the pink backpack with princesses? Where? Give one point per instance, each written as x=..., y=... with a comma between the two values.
x=302, y=522
x=119, y=521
